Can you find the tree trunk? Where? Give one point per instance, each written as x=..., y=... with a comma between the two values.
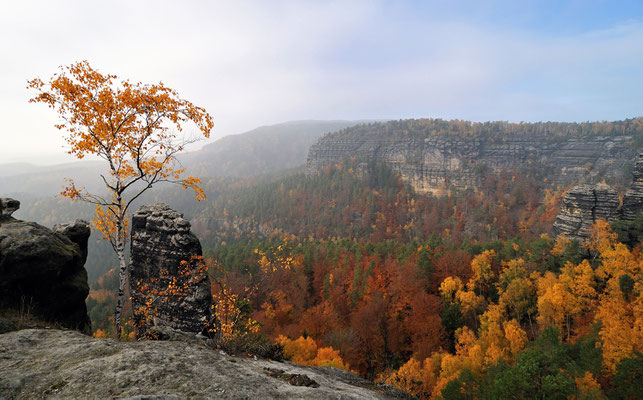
x=122, y=277
x=120, y=297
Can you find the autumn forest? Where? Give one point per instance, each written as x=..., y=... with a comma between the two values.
x=468, y=295
x=321, y=199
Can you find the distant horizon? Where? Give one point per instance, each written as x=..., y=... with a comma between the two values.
x=253, y=63
x=62, y=158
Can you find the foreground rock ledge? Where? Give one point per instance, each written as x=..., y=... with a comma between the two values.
x=40, y=363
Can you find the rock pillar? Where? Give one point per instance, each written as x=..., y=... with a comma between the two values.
x=161, y=240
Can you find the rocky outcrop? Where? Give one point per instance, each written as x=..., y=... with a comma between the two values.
x=633, y=199
x=7, y=207
x=431, y=162
x=41, y=271
x=161, y=240
x=78, y=232
x=63, y=364
x=582, y=206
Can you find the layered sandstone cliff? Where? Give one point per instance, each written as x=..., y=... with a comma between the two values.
x=162, y=293
x=582, y=206
x=633, y=199
x=433, y=160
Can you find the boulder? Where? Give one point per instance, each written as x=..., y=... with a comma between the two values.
x=42, y=271
x=161, y=240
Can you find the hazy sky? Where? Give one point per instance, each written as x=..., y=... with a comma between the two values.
x=264, y=62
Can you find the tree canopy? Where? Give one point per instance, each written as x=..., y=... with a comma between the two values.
x=133, y=127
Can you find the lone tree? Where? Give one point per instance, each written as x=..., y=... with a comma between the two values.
x=129, y=126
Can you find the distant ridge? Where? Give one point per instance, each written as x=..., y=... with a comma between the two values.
x=434, y=154
x=262, y=150
x=48, y=179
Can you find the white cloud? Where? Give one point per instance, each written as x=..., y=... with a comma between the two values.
x=254, y=63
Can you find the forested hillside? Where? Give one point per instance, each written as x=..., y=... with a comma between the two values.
x=350, y=200
x=465, y=295
x=498, y=130
x=435, y=155
x=262, y=150
x=438, y=296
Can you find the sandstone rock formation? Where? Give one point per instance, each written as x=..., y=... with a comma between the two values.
x=41, y=271
x=633, y=199
x=582, y=206
x=161, y=239
x=78, y=232
x=63, y=364
x=430, y=162
x=7, y=207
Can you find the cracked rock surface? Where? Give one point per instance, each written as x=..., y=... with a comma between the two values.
x=38, y=363
x=582, y=206
x=633, y=199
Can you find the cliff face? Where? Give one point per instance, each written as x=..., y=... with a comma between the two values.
x=161, y=239
x=582, y=206
x=633, y=199
x=430, y=162
x=41, y=270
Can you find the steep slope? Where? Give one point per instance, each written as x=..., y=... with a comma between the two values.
x=261, y=150
x=433, y=154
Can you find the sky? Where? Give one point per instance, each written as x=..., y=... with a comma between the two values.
x=253, y=63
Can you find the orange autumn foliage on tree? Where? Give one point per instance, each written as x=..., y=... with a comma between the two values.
x=168, y=288
x=305, y=351
x=588, y=387
x=481, y=267
x=417, y=377
x=128, y=125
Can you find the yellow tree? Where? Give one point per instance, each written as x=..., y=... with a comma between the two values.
x=482, y=272
x=129, y=125
x=621, y=328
